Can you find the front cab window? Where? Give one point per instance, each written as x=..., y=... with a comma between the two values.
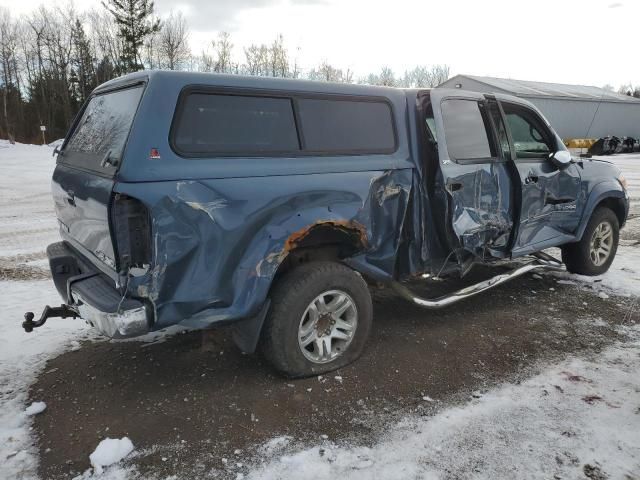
x=531, y=139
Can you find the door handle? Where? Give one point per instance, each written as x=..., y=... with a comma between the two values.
x=531, y=179
x=453, y=187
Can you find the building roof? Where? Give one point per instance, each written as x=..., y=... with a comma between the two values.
x=526, y=88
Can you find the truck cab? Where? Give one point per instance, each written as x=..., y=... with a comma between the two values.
x=271, y=204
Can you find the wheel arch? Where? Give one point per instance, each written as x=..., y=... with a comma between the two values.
x=324, y=240
x=606, y=194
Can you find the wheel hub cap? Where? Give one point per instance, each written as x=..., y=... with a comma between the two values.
x=327, y=326
x=601, y=243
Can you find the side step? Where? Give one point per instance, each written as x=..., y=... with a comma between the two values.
x=471, y=290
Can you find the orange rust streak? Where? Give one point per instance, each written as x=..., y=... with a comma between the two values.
x=350, y=225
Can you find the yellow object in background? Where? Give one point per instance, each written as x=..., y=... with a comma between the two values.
x=580, y=142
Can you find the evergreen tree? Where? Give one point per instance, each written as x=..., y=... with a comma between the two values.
x=83, y=77
x=135, y=23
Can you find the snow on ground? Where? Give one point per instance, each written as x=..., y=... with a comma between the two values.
x=576, y=418
x=630, y=166
x=581, y=417
x=22, y=358
x=27, y=220
x=27, y=225
x=35, y=408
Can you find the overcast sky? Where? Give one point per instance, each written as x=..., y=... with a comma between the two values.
x=593, y=42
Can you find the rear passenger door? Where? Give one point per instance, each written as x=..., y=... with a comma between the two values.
x=474, y=163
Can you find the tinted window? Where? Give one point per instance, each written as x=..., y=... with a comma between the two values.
x=530, y=138
x=465, y=130
x=346, y=126
x=103, y=130
x=210, y=123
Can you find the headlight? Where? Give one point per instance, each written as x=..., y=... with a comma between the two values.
x=623, y=182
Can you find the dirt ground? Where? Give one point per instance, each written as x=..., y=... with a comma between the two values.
x=194, y=400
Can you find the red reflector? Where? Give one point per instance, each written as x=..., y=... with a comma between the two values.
x=155, y=154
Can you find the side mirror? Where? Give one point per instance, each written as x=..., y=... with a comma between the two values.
x=561, y=158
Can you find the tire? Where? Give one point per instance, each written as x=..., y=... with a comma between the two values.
x=579, y=257
x=296, y=316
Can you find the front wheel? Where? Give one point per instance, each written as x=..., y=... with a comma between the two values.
x=319, y=319
x=595, y=252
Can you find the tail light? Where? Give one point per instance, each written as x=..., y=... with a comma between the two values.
x=132, y=231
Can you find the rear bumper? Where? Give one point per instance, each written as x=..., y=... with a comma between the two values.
x=94, y=295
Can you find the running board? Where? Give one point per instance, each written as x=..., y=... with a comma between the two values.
x=471, y=290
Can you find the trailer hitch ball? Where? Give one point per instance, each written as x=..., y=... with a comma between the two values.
x=63, y=311
x=28, y=323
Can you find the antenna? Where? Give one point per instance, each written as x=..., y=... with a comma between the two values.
x=595, y=113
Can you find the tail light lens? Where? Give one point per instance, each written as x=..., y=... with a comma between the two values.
x=132, y=231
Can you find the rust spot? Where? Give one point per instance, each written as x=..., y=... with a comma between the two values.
x=350, y=227
x=353, y=229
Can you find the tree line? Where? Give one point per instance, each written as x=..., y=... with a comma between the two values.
x=52, y=58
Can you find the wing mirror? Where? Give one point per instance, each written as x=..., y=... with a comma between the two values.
x=561, y=158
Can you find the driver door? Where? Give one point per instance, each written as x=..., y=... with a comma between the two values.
x=549, y=194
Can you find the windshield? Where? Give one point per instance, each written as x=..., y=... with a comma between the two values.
x=101, y=134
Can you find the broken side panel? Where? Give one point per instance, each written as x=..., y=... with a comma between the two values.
x=217, y=244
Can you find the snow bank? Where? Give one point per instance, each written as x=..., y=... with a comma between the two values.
x=35, y=408
x=110, y=451
x=623, y=278
x=22, y=358
x=27, y=225
x=580, y=416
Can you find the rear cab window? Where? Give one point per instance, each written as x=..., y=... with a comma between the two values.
x=211, y=124
x=346, y=126
x=99, y=138
x=234, y=124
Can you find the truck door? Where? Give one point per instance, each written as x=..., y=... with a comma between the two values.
x=549, y=193
x=475, y=173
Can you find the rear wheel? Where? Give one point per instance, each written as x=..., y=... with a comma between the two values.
x=595, y=252
x=319, y=319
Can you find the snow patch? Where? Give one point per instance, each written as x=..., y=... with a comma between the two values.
x=35, y=408
x=110, y=451
x=579, y=416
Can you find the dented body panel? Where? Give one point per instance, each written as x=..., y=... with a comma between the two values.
x=218, y=231
x=218, y=243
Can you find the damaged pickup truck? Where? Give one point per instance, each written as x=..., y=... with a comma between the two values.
x=270, y=204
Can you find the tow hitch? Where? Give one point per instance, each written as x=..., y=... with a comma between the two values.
x=63, y=311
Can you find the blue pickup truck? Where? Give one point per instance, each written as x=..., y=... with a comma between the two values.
x=271, y=204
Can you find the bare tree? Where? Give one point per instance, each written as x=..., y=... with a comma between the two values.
x=256, y=60
x=424, y=76
x=174, y=42
x=279, y=58
x=328, y=73
x=222, y=53
x=8, y=56
x=106, y=43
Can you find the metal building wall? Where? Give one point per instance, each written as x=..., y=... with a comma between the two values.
x=571, y=118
